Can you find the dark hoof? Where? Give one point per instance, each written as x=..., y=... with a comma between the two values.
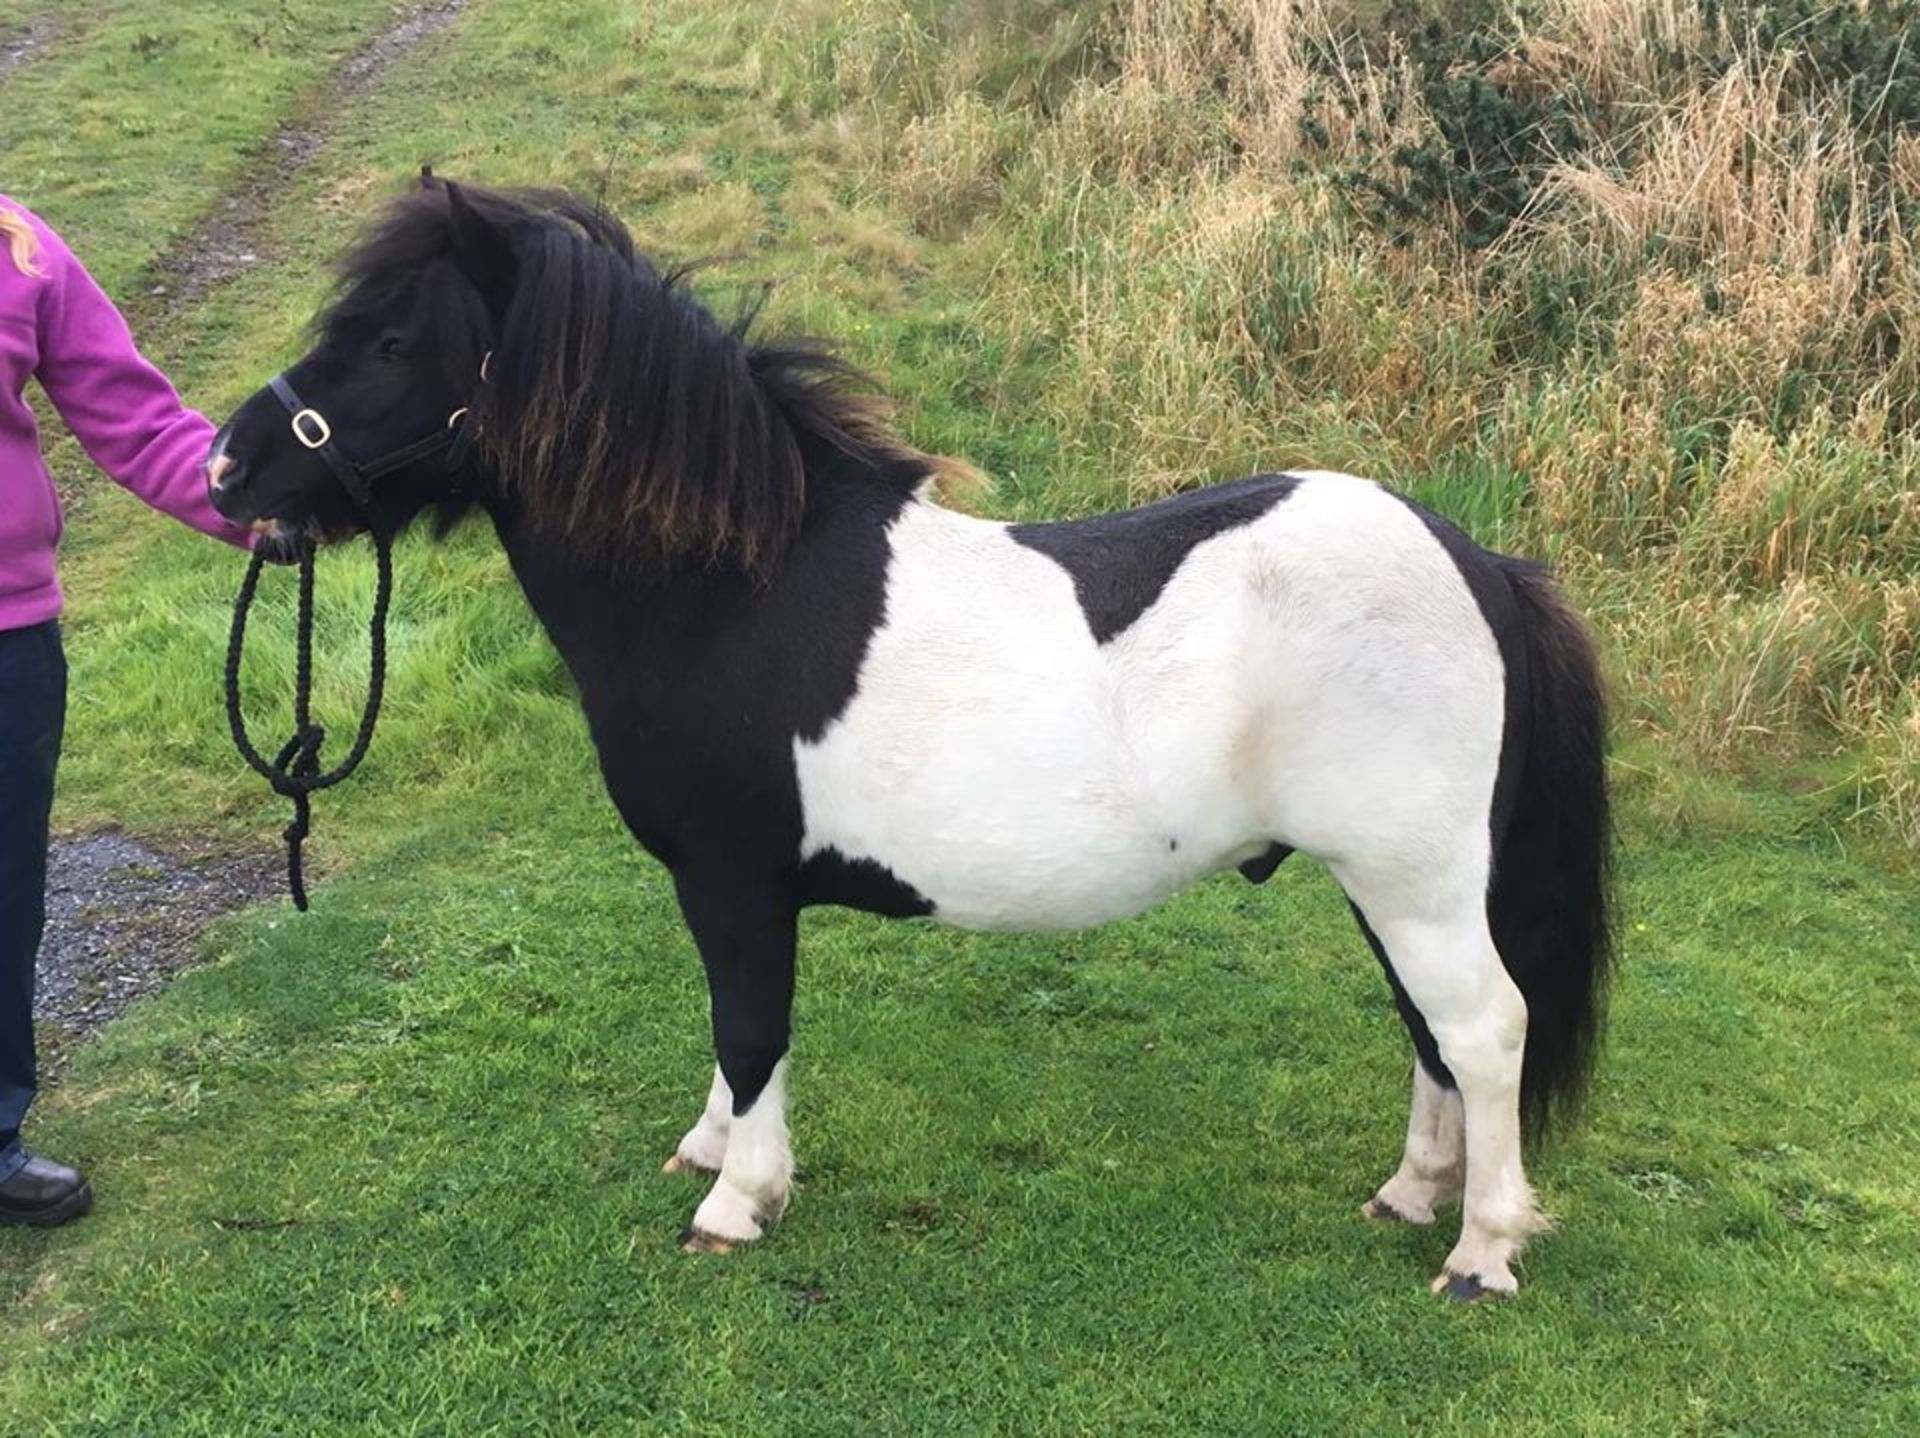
x=698, y=1240
x=1385, y=1213
x=1465, y=1288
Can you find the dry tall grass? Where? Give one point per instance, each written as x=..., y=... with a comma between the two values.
x=1698, y=348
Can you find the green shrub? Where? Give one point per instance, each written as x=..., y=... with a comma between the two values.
x=1496, y=127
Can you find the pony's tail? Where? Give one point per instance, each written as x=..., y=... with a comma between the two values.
x=1551, y=891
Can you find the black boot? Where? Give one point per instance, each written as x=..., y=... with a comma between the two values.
x=44, y=1194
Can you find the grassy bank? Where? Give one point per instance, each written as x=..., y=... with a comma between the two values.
x=391, y=1167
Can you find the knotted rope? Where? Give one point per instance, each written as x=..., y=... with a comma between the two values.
x=295, y=772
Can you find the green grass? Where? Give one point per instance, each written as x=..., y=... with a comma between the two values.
x=392, y=1166
x=127, y=128
x=1105, y=1183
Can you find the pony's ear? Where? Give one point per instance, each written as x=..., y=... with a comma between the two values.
x=480, y=250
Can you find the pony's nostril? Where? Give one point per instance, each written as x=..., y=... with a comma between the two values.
x=223, y=473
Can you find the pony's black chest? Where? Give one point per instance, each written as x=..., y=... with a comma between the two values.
x=696, y=686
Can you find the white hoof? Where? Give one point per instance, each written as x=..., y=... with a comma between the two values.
x=1478, y=1265
x=728, y=1217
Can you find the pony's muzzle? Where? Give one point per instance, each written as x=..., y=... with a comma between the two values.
x=225, y=471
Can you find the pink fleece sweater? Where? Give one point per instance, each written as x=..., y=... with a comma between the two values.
x=63, y=330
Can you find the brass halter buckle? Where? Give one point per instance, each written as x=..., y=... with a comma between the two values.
x=319, y=435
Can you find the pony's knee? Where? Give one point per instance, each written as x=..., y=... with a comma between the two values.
x=748, y=1067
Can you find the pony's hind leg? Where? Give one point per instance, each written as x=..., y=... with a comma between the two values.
x=704, y=1148
x=1434, y=1164
x=1435, y=935
x=1433, y=1167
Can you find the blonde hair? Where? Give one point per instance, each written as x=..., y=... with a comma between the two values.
x=22, y=243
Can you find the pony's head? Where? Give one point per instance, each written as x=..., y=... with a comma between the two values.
x=511, y=348
x=397, y=358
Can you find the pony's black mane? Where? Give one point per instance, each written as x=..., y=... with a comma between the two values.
x=619, y=413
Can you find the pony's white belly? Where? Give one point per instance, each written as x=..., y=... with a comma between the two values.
x=1049, y=830
x=1040, y=837
x=1019, y=775
x=1008, y=767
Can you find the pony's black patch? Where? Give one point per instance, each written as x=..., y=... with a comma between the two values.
x=1121, y=562
x=1260, y=867
x=830, y=877
x=774, y=661
x=801, y=636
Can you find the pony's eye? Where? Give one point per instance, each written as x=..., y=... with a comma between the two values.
x=389, y=347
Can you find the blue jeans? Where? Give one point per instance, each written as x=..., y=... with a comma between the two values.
x=33, y=711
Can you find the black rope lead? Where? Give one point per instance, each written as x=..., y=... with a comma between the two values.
x=295, y=771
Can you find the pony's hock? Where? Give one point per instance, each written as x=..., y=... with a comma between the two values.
x=808, y=683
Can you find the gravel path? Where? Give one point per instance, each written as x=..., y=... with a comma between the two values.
x=19, y=46
x=123, y=917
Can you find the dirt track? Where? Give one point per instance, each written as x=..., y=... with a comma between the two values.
x=125, y=916
x=228, y=238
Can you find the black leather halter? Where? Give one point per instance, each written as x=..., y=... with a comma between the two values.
x=310, y=427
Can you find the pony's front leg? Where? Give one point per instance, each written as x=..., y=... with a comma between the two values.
x=746, y=942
